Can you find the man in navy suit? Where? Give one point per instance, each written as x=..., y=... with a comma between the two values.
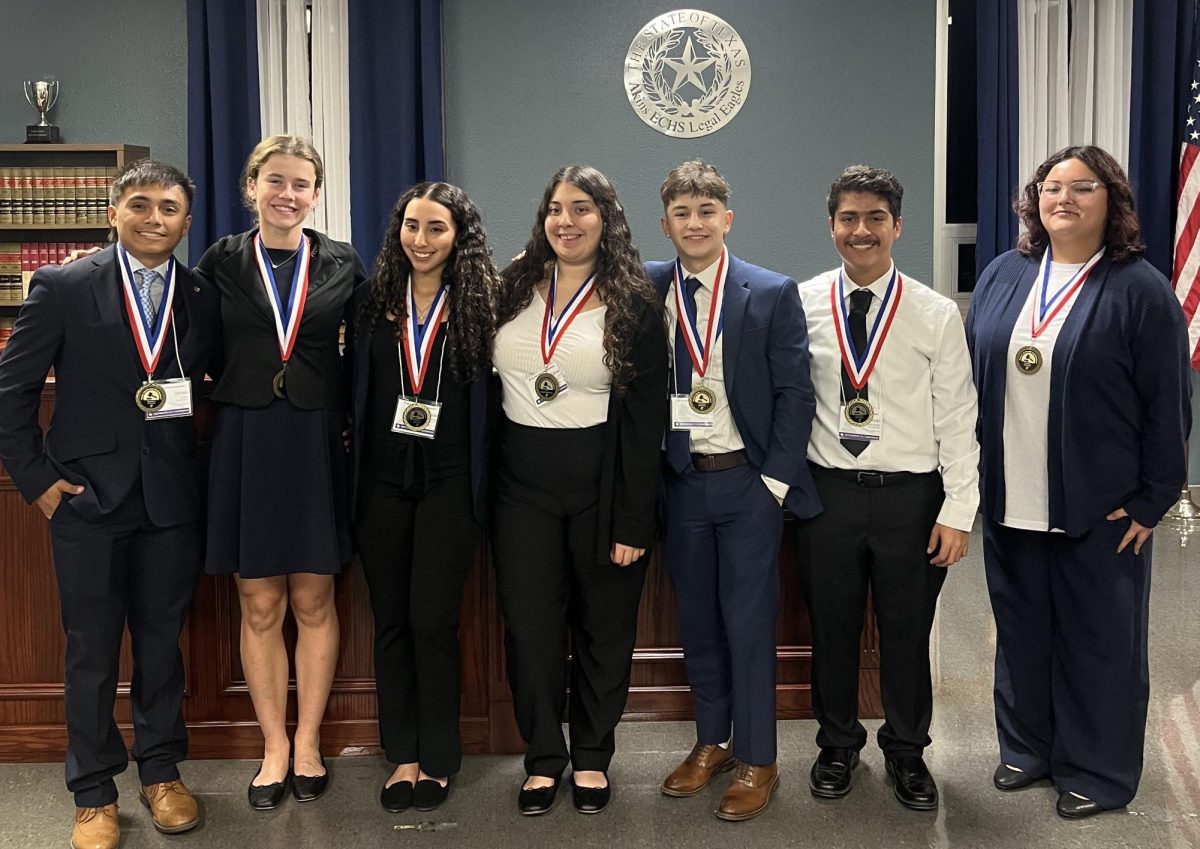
x=117, y=478
x=741, y=411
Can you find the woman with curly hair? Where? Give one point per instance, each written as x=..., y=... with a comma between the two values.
x=1081, y=360
x=420, y=351
x=582, y=356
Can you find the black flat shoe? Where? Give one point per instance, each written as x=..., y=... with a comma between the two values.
x=266, y=797
x=914, y=786
x=428, y=794
x=306, y=788
x=537, y=800
x=590, y=800
x=1074, y=807
x=1009, y=778
x=397, y=798
x=830, y=775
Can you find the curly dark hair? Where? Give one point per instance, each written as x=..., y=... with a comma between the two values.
x=470, y=274
x=1122, y=231
x=621, y=281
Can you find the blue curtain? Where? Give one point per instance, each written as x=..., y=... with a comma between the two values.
x=223, y=121
x=1162, y=59
x=996, y=78
x=395, y=109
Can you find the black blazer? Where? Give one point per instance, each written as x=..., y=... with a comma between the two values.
x=633, y=438
x=358, y=361
x=74, y=320
x=247, y=355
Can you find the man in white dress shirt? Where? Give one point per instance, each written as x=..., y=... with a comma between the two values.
x=894, y=457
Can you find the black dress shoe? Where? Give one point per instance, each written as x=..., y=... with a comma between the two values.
x=305, y=788
x=428, y=794
x=829, y=777
x=914, y=786
x=1009, y=778
x=1076, y=807
x=265, y=797
x=398, y=797
x=537, y=800
x=590, y=800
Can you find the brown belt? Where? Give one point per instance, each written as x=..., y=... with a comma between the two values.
x=719, y=462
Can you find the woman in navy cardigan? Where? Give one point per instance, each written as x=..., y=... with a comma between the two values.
x=420, y=354
x=1080, y=355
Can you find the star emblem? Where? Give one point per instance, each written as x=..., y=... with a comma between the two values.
x=688, y=68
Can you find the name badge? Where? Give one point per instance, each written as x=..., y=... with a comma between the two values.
x=416, y=417
x=685, y=416
x=860, y=420
x=176, y=400
x=547, y=384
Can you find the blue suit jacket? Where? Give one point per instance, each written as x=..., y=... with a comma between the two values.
x=1120, y=393
x=764, y=345
x=74, y=320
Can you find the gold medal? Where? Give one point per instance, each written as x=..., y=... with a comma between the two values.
x=547, y=386
x=416, y=416
x=277, y=384
x=859, y=412
x=1028, y=360
x=149, y=397
x=701, y=400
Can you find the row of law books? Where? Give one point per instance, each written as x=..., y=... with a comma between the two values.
x=6, y=329
x=18, y=261
x=55, y=195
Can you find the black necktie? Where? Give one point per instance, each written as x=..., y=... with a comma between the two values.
x=860, y=302
x=679, y=453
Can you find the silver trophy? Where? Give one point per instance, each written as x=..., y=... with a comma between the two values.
x=41, y=95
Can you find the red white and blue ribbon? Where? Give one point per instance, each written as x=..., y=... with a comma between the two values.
x=419, y=338
x=552, y=329
x=859, y=366
x=1048, y=306
x=701, y=351
x=287, y=318
x=148, y=336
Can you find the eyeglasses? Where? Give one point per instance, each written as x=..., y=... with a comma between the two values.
x=1074, y=189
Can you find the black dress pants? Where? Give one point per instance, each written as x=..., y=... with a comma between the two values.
x=872, y=538
x=121, y=570
x=416, y=543
x=550, y=583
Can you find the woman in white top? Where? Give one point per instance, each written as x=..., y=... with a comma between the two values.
x=1080, y=355
x=582, y=355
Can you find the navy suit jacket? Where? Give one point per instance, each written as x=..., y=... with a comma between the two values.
x=74, y=320
x=482, y=418
x=764, y=346
x=1120, y=392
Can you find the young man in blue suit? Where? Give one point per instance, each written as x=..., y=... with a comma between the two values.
x=116, y=476
x=741, y=411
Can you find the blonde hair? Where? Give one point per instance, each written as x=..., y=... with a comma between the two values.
x=284, y=145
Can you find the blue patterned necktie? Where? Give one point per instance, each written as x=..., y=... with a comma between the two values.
x=146, y=279
x=679, y=454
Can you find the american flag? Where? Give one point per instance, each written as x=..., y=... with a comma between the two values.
x=1185, y=274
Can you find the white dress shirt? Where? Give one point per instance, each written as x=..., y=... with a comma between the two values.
x=921, y=387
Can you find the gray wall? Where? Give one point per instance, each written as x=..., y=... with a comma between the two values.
x=534, y=85
x=121, y=64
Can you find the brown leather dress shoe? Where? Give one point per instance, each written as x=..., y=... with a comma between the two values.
x=173, y=807
x=96, y=828
x=697, y=770
x=749, y=791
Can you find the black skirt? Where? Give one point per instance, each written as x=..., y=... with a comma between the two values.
x=277, y=492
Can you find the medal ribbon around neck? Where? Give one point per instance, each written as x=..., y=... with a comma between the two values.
x=859, y=368
x=553, y=331
x=1040, y=318
x=287, y=319
x=701, y=352
x=149, y=340
x=419, y=338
